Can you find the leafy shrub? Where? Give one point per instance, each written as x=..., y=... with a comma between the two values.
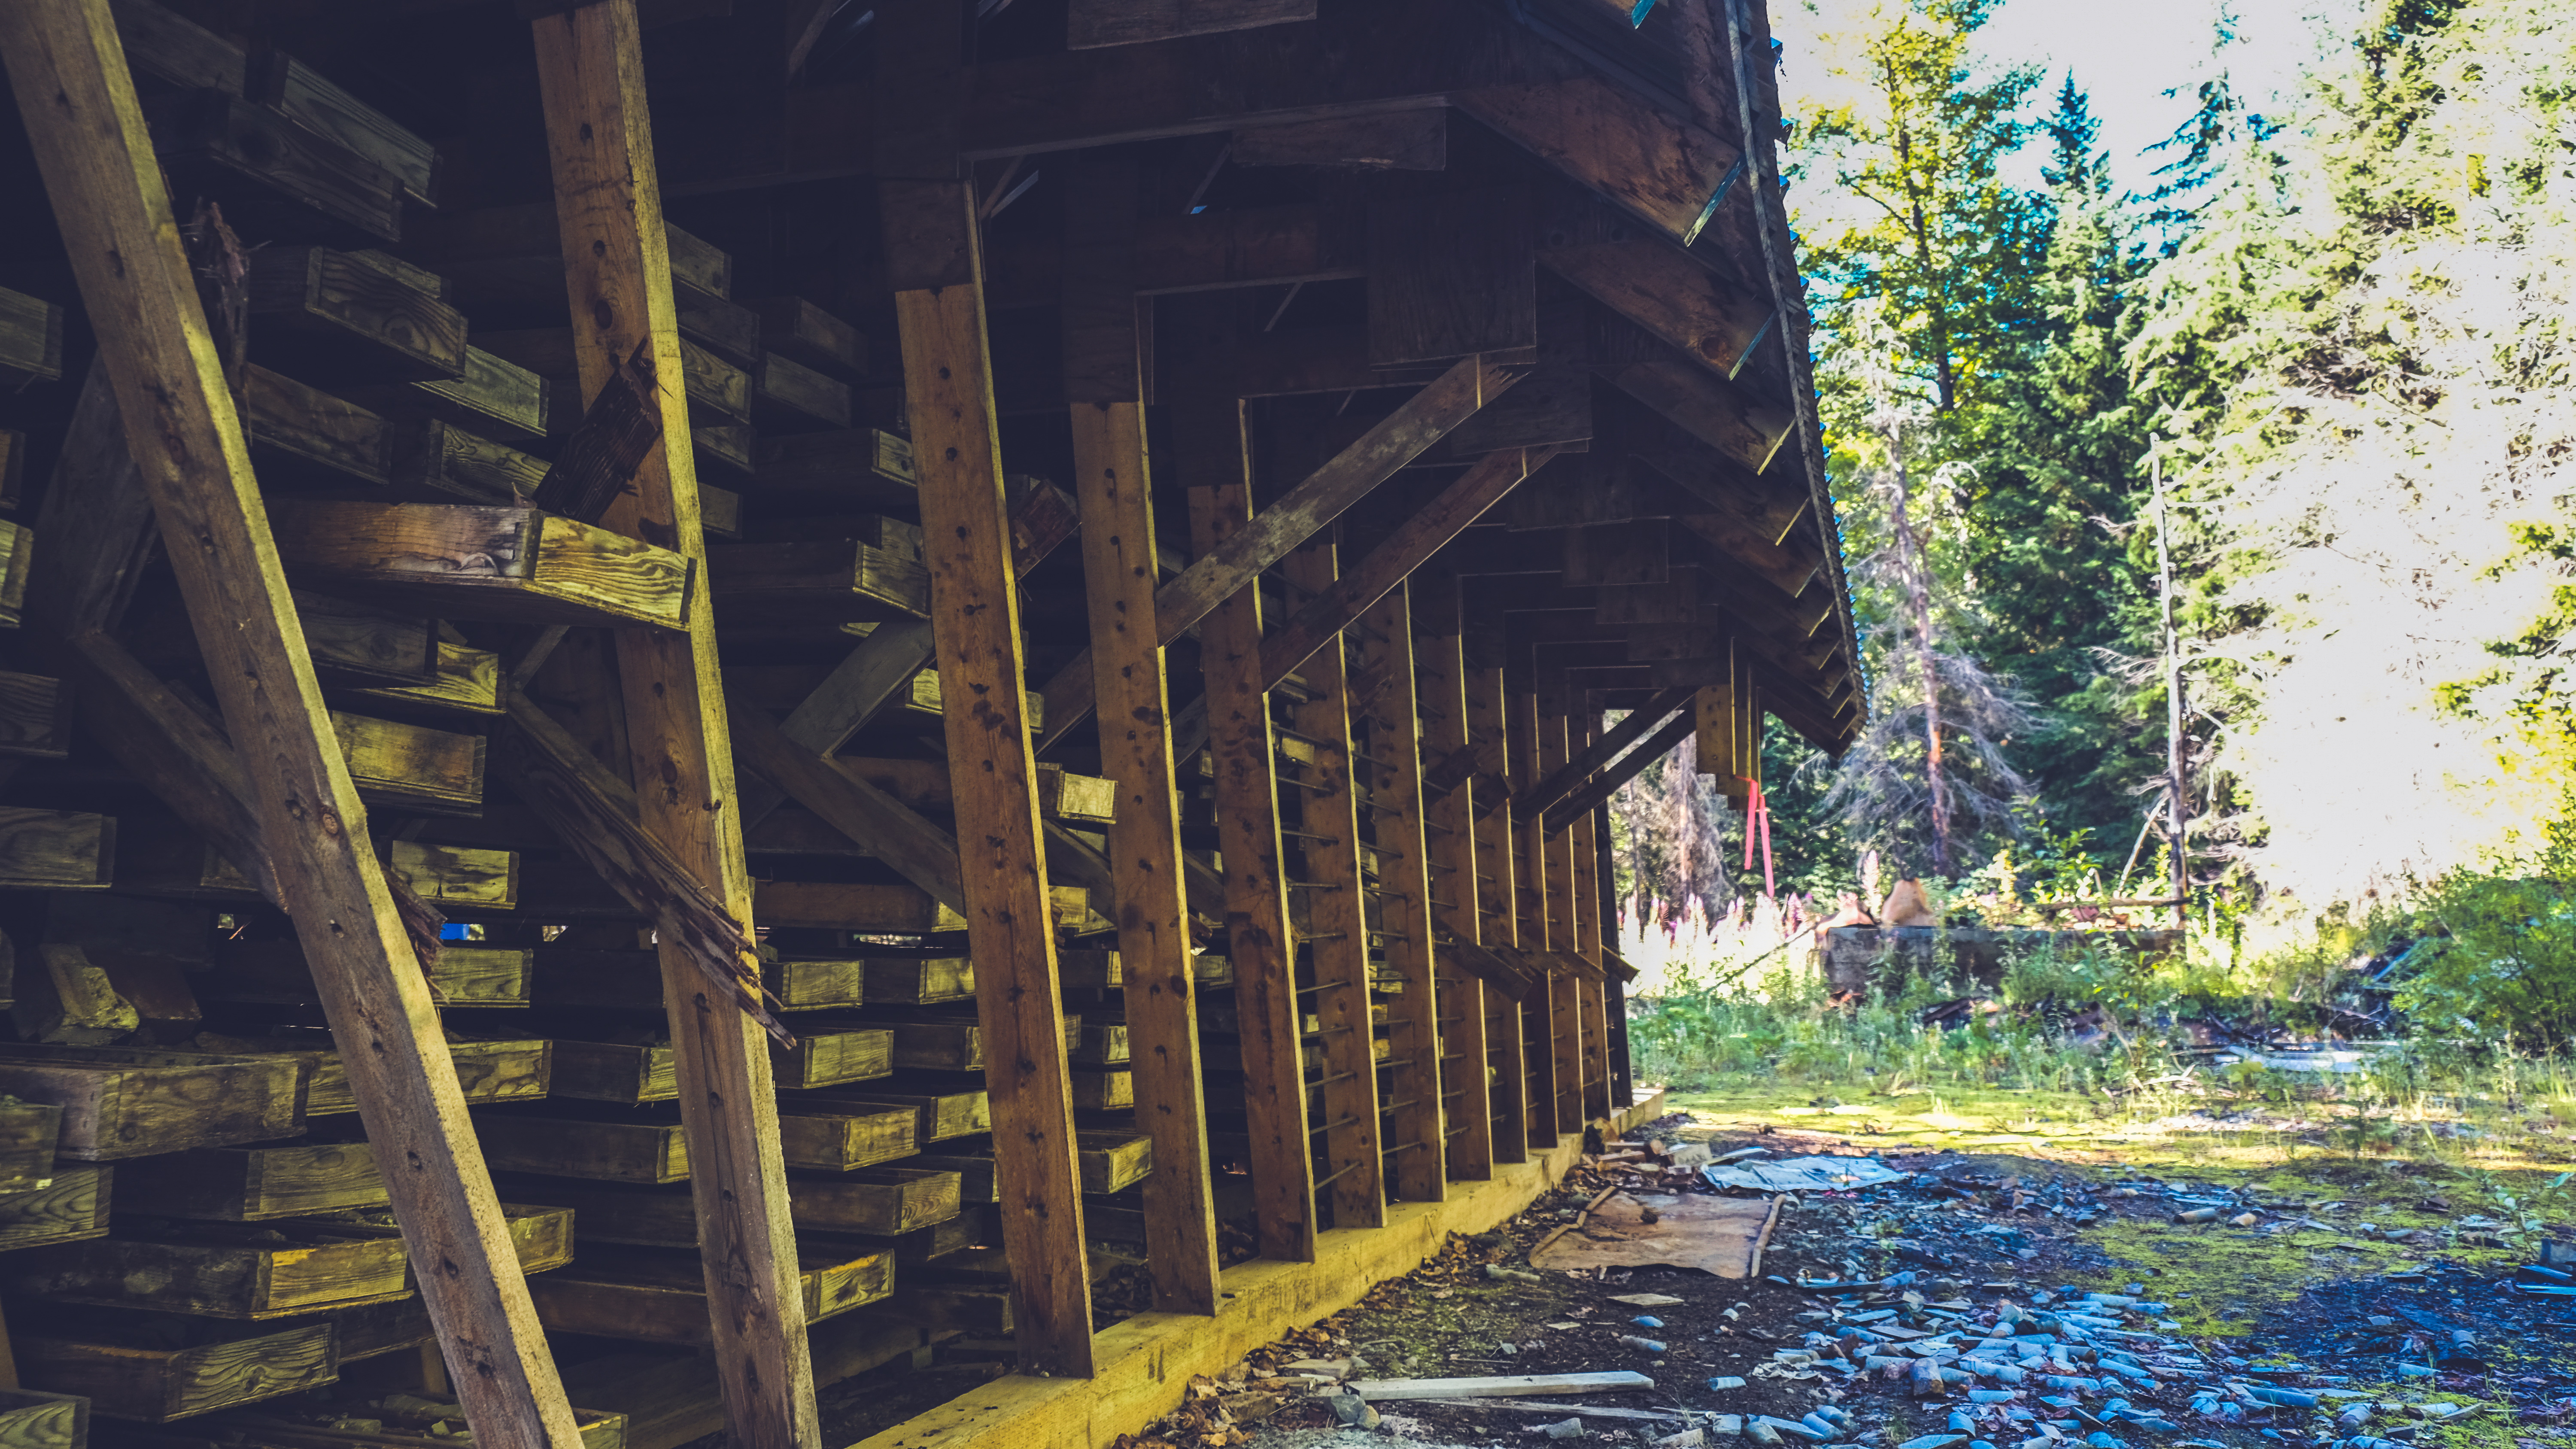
x=2502, y=965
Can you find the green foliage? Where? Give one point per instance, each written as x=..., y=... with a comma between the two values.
x=2504, y=966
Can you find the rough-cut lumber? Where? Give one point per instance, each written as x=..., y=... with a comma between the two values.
x=600, y=1149
x=628, y=1073
x=1663, y=170
x=305, y=97
x=824, y=581
x=1242, y=748
x=922, y=852
x=839, y=1139
x=411, y=766
x=1217, y=573
x=293, y=173
x=1120, y=574
x=31, y=340
x=1602, y=752
x=1392, y=790
x=246, y=1184
x=662, y=1297
x=1408, y=140
x=464, y=561
x=461, y=681
x=56, y=850
x=1676, y=728
x=121, y=1103
x=351, y=316
x=975, y=610
x=274, y=971
x=301, y=434
x=1660, y=288
x=70, y=1207
x=28, y=1134
x=492, y=396
x=146, y=1371
x=214, y=1270
x=1449, y=844
x=896, y=909
x=793, y=327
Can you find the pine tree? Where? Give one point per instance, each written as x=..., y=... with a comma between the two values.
x=2050, y=491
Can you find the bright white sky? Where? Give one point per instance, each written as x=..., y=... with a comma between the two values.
x=2126, y=55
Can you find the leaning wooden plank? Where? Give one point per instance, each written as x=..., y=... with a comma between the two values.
x=185, y=444
x=339, y=316
x=131, y=1103
x=1215, y=575
x=155, y=1373
x=247, y=1184
x=31, y=340
x=461, y=561
x=215, y=1270
x=1503, y=1387
x=617, y=268
x=71, y=1206
x=966, y=539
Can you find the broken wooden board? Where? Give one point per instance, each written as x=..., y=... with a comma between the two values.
x=1501, y=1387
x=1721, y=1236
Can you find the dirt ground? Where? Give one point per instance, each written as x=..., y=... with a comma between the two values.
x=2372, y=1286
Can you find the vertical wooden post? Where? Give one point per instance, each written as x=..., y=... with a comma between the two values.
x=935, y=261
x=1337, y=942
x=185, y=439
x=1499, y=912
x=1209, y=434
x=1394, y=769
x=1119, y=577
x=1539, y=1014
x=1449, y=826
x=1565, y=991
x=617, y=270
x=1588, y=927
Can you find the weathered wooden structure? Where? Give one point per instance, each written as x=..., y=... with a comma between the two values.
x=698, y=692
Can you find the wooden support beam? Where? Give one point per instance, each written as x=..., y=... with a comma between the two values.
x=1588, y=927
x=1209, y=433
x=1662, y=289
x=919, y=850
x=1421, y=535
x=618, y=280
x=1449, y=849
x=1498, y=917
x=1393, y=795
x=1324, y=495
x=1330, y=886
x=1607, y=783
x=1529, y=881
x=1113, y=483
x=884, y=665
x=931, y=239
x=1601, y=752
x=185, y=440
x=1556, y=854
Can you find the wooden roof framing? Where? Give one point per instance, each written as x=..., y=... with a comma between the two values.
x=641, y=526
